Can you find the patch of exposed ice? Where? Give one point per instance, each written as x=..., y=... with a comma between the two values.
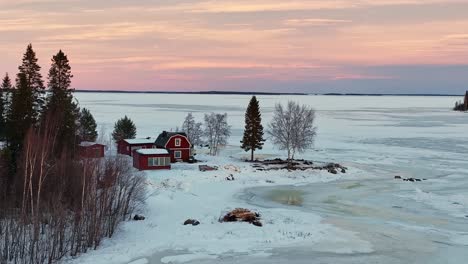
x=186, y=258
x=140, y=261
x=454, y=204
x=460, y=239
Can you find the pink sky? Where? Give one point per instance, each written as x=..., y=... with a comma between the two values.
x=265, y=45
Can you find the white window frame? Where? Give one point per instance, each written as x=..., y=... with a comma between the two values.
x=177, y=156
x=178, y=142
x=159, y=161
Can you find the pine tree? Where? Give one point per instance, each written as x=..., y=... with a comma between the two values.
x=124, y=128
x=5, y=89
x=32, y=72
x=253, y=133
x=60, y=103
x=87, y=130
x=20, y=115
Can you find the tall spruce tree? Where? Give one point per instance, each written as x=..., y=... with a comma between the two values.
x=20, y=116
x=124, y=128
x=253, y=133
x=60, y=103
x=87, y=126
x=32, y=71
x=5, y=89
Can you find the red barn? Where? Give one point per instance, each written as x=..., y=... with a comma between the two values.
x=127, y=146
x=152, y=159
x=91, y=150
x=177, y=144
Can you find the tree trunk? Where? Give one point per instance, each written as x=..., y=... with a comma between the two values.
x=252, y=155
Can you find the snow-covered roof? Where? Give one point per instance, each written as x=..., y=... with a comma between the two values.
x=151, y=151
x=140, y=141
x=87, y=144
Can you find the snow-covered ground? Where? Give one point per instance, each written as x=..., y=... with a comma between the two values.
x=361, y=216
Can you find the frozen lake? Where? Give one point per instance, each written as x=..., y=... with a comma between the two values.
x=420, y=137
x=416, y=136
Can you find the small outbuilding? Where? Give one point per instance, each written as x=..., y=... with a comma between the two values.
x=128, y=146
x=152, y=159
x=91, y=150
x=177, y=144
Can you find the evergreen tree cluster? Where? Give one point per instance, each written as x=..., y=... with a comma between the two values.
x=29, y=105
x=53, y=203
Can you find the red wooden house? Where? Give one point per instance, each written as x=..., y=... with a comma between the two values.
x=128, y=146
x=151, y=159
x=91, y=150
x=177, y=144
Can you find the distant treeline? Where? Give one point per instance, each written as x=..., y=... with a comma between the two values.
x=462, y=106
x=197, y=92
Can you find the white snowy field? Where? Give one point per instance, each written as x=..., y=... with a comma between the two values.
x=361, y=216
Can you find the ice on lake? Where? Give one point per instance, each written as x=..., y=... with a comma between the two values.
x=384, y=136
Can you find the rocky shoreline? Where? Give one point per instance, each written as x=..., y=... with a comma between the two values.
x=280, y=164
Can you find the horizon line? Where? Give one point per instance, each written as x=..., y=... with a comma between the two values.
x=264, y=93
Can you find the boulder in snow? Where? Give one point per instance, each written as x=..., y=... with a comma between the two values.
x=207, y=168
x=191, y=222
x=139, y=218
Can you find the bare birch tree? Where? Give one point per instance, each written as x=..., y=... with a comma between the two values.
x=292, y=128
x=217, y=131
x=193, y=129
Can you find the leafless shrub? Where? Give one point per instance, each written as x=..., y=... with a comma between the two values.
x=65, y=205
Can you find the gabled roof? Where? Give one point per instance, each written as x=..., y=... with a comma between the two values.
x=164, y=137
x=89, y=144
x=152, y=151
x=136, y=141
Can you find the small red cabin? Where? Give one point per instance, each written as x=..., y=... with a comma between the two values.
x=128, y=146
x=177, y=144
x=151, y=159
x=91, y=150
